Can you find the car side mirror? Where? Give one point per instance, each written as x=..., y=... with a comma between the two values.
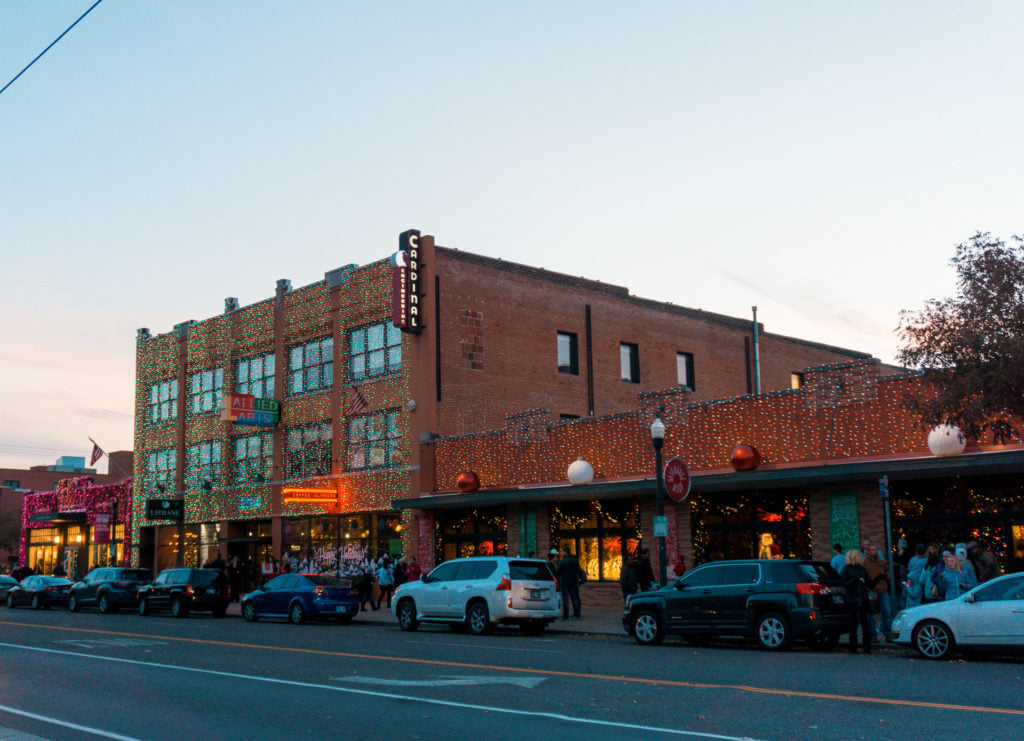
x=968, y=598
x=681, y=585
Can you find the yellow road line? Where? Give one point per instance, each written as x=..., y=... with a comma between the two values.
x=546, y=672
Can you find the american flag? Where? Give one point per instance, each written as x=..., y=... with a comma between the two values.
x=97, y=453
x=357, y=403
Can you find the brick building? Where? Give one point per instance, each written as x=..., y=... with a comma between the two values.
x=824, y=449
x=351, y=402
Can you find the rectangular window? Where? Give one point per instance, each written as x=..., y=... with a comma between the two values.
x=202, y=465
x=256, y=376
x=311, y=366
x=163, y=401
x=253, y=458
x=568, y=353
x=12, y=484
x=372, y=440
x=375, y=351
x=684, y=370
x=206, y=391
x=629, y=362
x=160, y=469
x=308, y=451
x=796, y=380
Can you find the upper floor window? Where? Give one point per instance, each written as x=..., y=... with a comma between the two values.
x=796, y=380
x=629, y=362
x=202, y=465
x=160, y=469
x=308, y=451
x=255, y=376
x=311, y=366
x=684, y=370
x=206, y=391
x=253, y=456
x=163, y=401
x=372, y=440
x=12, y=483
x=568, y=353
x=375, y=351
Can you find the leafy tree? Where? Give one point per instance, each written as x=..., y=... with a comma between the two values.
x=971, y=346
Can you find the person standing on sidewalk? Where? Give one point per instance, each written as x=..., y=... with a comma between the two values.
x=569, y=583
x=627, y=577
x=644, y=571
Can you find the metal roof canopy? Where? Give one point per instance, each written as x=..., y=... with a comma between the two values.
x=859, y=472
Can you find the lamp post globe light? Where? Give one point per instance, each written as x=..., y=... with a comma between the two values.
x=657, y=440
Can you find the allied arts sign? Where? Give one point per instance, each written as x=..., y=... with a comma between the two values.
x=246, y=409
x=406, y=289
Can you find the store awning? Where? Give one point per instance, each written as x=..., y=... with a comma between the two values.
x=58, y=518
x=768, y=477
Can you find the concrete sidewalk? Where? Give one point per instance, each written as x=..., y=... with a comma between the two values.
x=596, y=621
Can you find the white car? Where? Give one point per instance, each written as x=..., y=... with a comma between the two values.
x=990, y=616
x=480, y=592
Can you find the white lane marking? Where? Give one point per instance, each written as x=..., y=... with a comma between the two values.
x=110, y=642
x=489, y=647
x=454, y=681
x=385, y=695
x=65, y=724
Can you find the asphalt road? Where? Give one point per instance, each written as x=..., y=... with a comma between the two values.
x=70, y=676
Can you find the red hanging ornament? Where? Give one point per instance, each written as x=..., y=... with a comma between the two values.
x=744, y=457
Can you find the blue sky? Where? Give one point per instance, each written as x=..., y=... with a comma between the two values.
x=818, y=160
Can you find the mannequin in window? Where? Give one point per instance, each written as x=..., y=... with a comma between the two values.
x=769, y=548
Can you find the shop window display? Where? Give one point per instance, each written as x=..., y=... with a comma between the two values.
x=595, y=531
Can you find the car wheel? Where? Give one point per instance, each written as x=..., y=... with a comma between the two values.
x=73, y=604
x=37, y=602
x=933, y=640
x=772, y=632
x=178, y=608
x=406, y=612
x=143, y=606
x=646, y=628
x=249, y=612
x=343, y=619
x=10, y=602
x=532, y=627
x=297, y=613
x=104, y=604
x=478, y=620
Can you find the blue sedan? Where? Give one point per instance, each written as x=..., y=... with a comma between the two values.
x=302, y=597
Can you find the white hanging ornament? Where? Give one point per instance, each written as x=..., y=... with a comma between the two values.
x=580, y=472
x=946, y=440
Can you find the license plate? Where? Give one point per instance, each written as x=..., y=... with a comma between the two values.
x=537, y=593
x=211, y=590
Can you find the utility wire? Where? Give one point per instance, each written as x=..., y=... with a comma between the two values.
x=50, y=46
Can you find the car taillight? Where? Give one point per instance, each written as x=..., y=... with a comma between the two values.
x=812, y=588
x=505, y=585
x=188, y=589
x=51, y=589
x=319, y=591
x=122, y=584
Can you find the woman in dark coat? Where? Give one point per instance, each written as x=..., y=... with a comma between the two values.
x=858, y=586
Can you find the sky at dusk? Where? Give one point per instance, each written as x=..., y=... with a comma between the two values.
x=817, y=160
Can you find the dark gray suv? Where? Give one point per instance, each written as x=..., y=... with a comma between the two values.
x=108, y=588
x=773, y=602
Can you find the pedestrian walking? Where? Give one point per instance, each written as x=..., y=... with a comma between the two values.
x=569, y=577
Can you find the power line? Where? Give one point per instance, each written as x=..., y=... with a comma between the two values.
x=51, y=45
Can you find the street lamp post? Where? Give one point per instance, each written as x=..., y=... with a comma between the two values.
x=657, y=440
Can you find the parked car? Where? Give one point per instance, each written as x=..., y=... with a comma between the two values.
x=109, y=588
x=773, y=602
x=989, y=617
x=6, y=582
x=480, y=592
x=301, y=597
x=41, y=592
x=183, y=590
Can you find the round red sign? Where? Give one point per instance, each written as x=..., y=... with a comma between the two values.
x=677, y=480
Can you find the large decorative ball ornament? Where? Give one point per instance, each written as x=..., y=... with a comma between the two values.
x=468, y=481
x=744, y=457
x=580, y=472
x=946, y=440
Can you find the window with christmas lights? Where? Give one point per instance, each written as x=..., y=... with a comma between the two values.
x=253, y=458
x=256, y=376
x=311, y=366
x=205, y=391
x=598, y=533
x=163, y=401
x=372, y=440
x=374, y=351
x=202, y=465
x=160, y=469
x=308, y=451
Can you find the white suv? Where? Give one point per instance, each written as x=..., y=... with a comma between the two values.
x=480, y=592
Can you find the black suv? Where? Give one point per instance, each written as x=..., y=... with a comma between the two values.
x=184, y=590
x=772, y=601
x=108, y=588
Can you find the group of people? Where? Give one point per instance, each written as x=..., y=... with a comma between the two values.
x=924, y=577
x=237, y=571
x=382, y=575
x=638, y=574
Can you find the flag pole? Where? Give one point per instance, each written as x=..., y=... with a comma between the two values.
x=110, y=461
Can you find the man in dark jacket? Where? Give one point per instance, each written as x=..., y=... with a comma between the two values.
x=985, y=565
x=569, y=583
x=644, y=571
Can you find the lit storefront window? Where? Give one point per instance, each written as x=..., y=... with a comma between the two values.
x=595, y=533
x=471, y=533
